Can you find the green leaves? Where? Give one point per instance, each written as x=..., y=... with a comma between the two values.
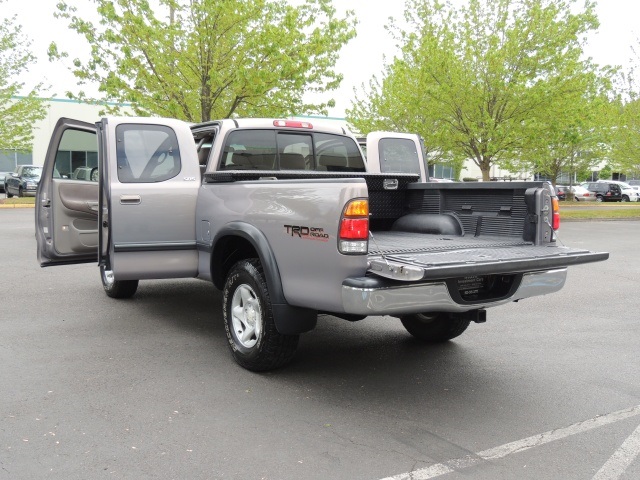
x=487, y=81
x=203, y=59
x=17, y=114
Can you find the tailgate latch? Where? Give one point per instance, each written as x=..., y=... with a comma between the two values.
x=390, y=184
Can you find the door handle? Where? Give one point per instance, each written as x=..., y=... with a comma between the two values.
x=130, y=199
x=93, y=206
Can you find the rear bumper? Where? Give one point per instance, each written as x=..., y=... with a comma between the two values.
x=372, y=296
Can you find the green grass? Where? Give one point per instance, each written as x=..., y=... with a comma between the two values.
x=18, y=201
x=595, y=211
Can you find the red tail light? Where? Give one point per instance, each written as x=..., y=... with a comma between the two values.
x=354, y=227
x=555, y=223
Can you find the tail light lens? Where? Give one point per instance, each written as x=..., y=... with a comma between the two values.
x=556, y=214
x=354, y=228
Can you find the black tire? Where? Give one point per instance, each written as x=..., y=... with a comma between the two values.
x=20, y=192
x=247, y=312
x=434, y=327
x=9, y=195
x=625, y=198
x=599, y=198
x=117, y=288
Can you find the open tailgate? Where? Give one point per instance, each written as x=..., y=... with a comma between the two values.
x=413, y=257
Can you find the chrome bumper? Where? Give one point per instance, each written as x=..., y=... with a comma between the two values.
x=434, y=296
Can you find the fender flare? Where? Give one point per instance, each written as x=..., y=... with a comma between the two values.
x=289, y=320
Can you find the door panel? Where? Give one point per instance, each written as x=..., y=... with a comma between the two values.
x=75, y=217
x=66, y=208
x=153, y=176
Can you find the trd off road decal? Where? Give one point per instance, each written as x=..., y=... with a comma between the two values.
x=307, y=233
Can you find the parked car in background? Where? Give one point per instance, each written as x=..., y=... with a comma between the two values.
x=629, y=193
x=2, y=177
x=561, y=192
x=581, y=194
x=604, y=191
x=634, y=183
x=86, y=173
x=23, y=181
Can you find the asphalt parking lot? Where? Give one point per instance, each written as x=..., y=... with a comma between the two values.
x=92, y=387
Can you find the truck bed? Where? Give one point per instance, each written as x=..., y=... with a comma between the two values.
x=419, y=256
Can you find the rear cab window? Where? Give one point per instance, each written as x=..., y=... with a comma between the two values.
x=284, y=150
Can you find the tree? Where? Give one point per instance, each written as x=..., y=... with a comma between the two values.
x=209, y=59
x=575, y=134
x=625, y=152
x=482, y=78
x=17, y=114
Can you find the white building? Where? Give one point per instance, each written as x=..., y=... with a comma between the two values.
x=56, y=109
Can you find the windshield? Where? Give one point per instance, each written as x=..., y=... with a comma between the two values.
x=31, y=172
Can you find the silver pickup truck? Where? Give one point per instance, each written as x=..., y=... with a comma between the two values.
x=283, y=217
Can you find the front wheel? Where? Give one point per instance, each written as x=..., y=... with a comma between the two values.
x=434, y=327
x=20, y=192
x=625, y=198
x=6, y=191
x=253, y=338
x=599, y=198
x=117, y=288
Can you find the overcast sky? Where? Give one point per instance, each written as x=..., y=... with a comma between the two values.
x=360, y=59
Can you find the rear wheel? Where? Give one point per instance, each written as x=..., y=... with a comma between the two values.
x=435, y=327
x=253, y=338
x=117, y=288
x=9, y=195
x=20, y=192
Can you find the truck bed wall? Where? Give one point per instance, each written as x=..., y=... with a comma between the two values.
x=483, y=209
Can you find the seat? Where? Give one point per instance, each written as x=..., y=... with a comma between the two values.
x=203, y=155
x=332, y=163
x=292, y=161
x=240, y=162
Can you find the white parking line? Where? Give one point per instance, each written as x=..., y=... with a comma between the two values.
x=628, y=450
x=624, y=456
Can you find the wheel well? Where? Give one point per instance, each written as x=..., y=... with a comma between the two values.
x=228, y=251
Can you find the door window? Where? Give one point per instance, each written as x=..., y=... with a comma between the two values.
x=77, y=156
x=146, y=153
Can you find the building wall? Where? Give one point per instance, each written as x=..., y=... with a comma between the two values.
x=59, y=108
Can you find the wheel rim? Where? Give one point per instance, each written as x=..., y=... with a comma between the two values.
x=246, y=316
x=107, y=278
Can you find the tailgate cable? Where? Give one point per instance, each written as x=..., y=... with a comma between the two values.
x=380, y=250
